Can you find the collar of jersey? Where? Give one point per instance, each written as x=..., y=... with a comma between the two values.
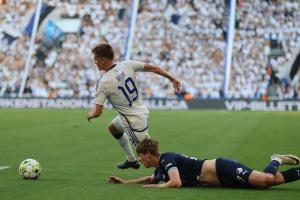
x=111, y=67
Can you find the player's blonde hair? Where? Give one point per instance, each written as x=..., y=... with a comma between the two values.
x=148, y=146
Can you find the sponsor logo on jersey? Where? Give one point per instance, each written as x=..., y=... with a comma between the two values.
x=241, y=171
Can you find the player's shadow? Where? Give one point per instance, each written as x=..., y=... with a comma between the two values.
x=282, y=189
x=274, y=189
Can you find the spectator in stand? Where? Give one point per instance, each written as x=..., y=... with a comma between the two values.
x=188, y=37
x=268, y=27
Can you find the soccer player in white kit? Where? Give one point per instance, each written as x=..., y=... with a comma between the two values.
x=118, y=85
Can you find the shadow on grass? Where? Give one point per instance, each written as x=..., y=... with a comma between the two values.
x=225, y=189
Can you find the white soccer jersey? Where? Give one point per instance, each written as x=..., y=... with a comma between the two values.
x=119, y=86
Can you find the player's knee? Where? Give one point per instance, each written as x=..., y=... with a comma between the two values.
x=114, y=131
x=111, y=128
x=279, y=180
x=267, y=181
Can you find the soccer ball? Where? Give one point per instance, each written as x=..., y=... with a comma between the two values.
x=30, y=169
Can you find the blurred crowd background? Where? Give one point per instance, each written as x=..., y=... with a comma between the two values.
x=185, y=37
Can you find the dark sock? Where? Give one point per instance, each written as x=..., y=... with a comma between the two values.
x=272, y=167
x=118, y=135
x=291, y=174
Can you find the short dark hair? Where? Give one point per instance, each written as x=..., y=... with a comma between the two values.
x=104, y=51
x=148, y=146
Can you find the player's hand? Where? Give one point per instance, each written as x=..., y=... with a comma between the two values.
x=90, y=116
x=176, y=85
x=115, y=179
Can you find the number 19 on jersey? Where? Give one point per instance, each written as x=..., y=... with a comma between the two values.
x=129, y=91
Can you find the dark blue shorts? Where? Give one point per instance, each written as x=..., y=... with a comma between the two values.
x=232, y=173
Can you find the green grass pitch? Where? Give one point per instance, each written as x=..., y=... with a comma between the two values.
x=77, y=156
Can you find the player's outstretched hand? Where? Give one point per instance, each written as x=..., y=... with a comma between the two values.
x=115, y=179
x=90, y=116
x=176, y=85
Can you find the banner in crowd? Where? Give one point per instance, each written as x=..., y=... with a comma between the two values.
x=45, y=10
x=52, y=31
x=160, y=104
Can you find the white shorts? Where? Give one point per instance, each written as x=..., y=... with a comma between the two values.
x=135, y=136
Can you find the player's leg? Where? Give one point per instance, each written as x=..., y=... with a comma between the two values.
x=123, y=141
x=272, y=167
x=235, y=174
x=271, y=176
x=138, y=130
x=266, y=180
x=135, y=137
x=232, y=173
x=289, y=175
x=261, y=179
x=116, y=129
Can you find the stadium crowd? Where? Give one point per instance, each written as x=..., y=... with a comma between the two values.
x=188, y=38
x=12, y=56
x=263, y=27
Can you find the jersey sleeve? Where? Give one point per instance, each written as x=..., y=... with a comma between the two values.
x=136, y=66
x=157, y=176
x=168, y=163
x=100, y=95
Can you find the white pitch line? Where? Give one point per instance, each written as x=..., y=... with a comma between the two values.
x=4, y=167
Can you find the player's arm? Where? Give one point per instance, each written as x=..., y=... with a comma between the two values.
x=174, y=182
x=158, y=70
x=141, y=180
x=94, y=112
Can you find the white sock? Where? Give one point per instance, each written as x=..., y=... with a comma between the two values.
x=277, y=159
x=124, y=142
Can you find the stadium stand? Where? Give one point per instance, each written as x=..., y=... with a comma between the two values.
x=188, y=38
x=267, y=33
